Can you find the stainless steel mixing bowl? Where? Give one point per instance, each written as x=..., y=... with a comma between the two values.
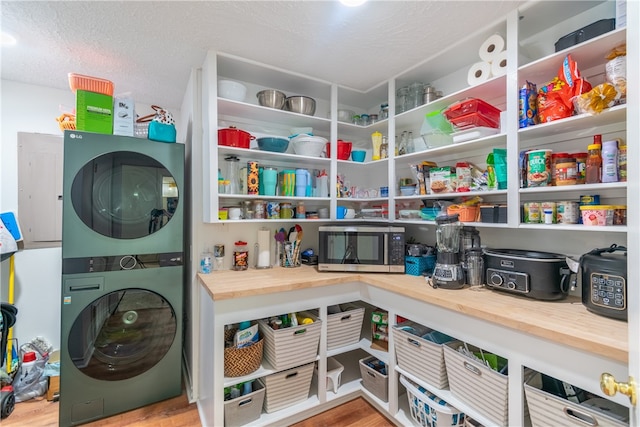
x=300, y=104
x=271, y=98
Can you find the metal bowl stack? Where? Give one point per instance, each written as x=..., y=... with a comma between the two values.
x=271, y=98
x=300, y=104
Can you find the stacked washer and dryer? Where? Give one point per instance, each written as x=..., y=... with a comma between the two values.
x=122, y=274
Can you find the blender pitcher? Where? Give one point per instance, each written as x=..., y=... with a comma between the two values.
x=448, y=271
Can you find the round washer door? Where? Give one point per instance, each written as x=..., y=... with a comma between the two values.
x=124, y=195
x=122, y=334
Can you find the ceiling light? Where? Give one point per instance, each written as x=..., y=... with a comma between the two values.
x=352, y=3
x=8, y=39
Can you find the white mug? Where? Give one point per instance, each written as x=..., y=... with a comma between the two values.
x=351, y=213
x=235, y=213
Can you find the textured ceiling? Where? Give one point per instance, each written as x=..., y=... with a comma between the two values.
x=148, y=47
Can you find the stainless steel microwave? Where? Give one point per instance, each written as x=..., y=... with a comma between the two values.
x=361, y=248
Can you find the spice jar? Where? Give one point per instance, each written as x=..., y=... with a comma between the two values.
x=566, y=171
x=240, y=256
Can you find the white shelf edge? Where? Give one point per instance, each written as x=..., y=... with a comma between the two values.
x=576, y=227
x=577, y=187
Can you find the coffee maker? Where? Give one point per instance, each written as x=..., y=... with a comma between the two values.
x=448, y=271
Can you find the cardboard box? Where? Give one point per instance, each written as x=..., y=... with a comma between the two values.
x=123, y=116
x=442, y=180
x=54, y=388
x=94, y=112
x=380, y=330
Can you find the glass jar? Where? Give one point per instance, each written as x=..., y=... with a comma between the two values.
x=247, y=209
x=259, y=209
x=240, y=256
x=566, y=171
x=581, y=166
x=365, y=120
x=416, y=92
x=384, y=111
x=402, y=99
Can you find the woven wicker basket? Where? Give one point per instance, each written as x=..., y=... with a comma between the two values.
x=66, y=121
x=241, y=361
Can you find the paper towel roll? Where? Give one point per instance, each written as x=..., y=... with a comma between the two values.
x=478, y=73
x=491, y=47
x=264, y=248
x=499, y=64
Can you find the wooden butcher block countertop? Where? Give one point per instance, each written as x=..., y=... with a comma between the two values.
x=566, y=322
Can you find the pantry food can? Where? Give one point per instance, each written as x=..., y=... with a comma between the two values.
x=531, y=213
x=567, y=212
x=538, y=168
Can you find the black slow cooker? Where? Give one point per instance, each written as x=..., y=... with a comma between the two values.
x=539, y=275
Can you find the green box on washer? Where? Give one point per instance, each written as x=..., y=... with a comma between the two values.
x=94, y=112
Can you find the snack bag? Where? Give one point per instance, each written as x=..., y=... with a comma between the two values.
x=598, y=99
x=616, y=70
x=555, y=99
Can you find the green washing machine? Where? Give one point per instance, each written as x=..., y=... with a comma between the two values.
x=121, y=196
x=122, y=274
x=121, y=342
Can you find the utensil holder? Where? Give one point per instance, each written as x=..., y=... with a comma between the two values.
x=290, y=254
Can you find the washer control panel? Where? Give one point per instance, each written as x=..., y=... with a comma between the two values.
x=512, y=281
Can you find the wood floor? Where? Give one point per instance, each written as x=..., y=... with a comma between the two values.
x=177, y=412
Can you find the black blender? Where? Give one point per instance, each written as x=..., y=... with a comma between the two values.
x=448, y=271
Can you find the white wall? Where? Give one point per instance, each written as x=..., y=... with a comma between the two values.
x=29, y=108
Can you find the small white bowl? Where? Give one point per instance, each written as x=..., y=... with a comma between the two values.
x=233, y=90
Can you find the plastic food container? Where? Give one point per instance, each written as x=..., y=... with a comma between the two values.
x=472, y=112
x=90, y=84
x=597, y=214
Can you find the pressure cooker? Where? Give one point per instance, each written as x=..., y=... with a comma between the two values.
x=538, y=275
x=604, y=281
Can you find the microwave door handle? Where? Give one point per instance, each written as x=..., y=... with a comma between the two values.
x=386, y=248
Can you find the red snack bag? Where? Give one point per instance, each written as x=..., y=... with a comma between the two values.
x=555, y=99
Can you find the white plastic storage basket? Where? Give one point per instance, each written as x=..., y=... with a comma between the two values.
x=287, y=388
x=477, y=385
x=428, y=410
x=244, y=409
x=546, y=409
x=344, y=328
x=418, y=356
x=376, y=382
x=288, y=347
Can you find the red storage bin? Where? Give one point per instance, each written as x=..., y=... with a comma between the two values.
x=472, y=112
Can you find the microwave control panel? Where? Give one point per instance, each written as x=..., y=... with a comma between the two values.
x=396, y=248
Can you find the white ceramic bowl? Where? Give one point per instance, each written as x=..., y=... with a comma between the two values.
x=307, y=145
x=233, y=90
